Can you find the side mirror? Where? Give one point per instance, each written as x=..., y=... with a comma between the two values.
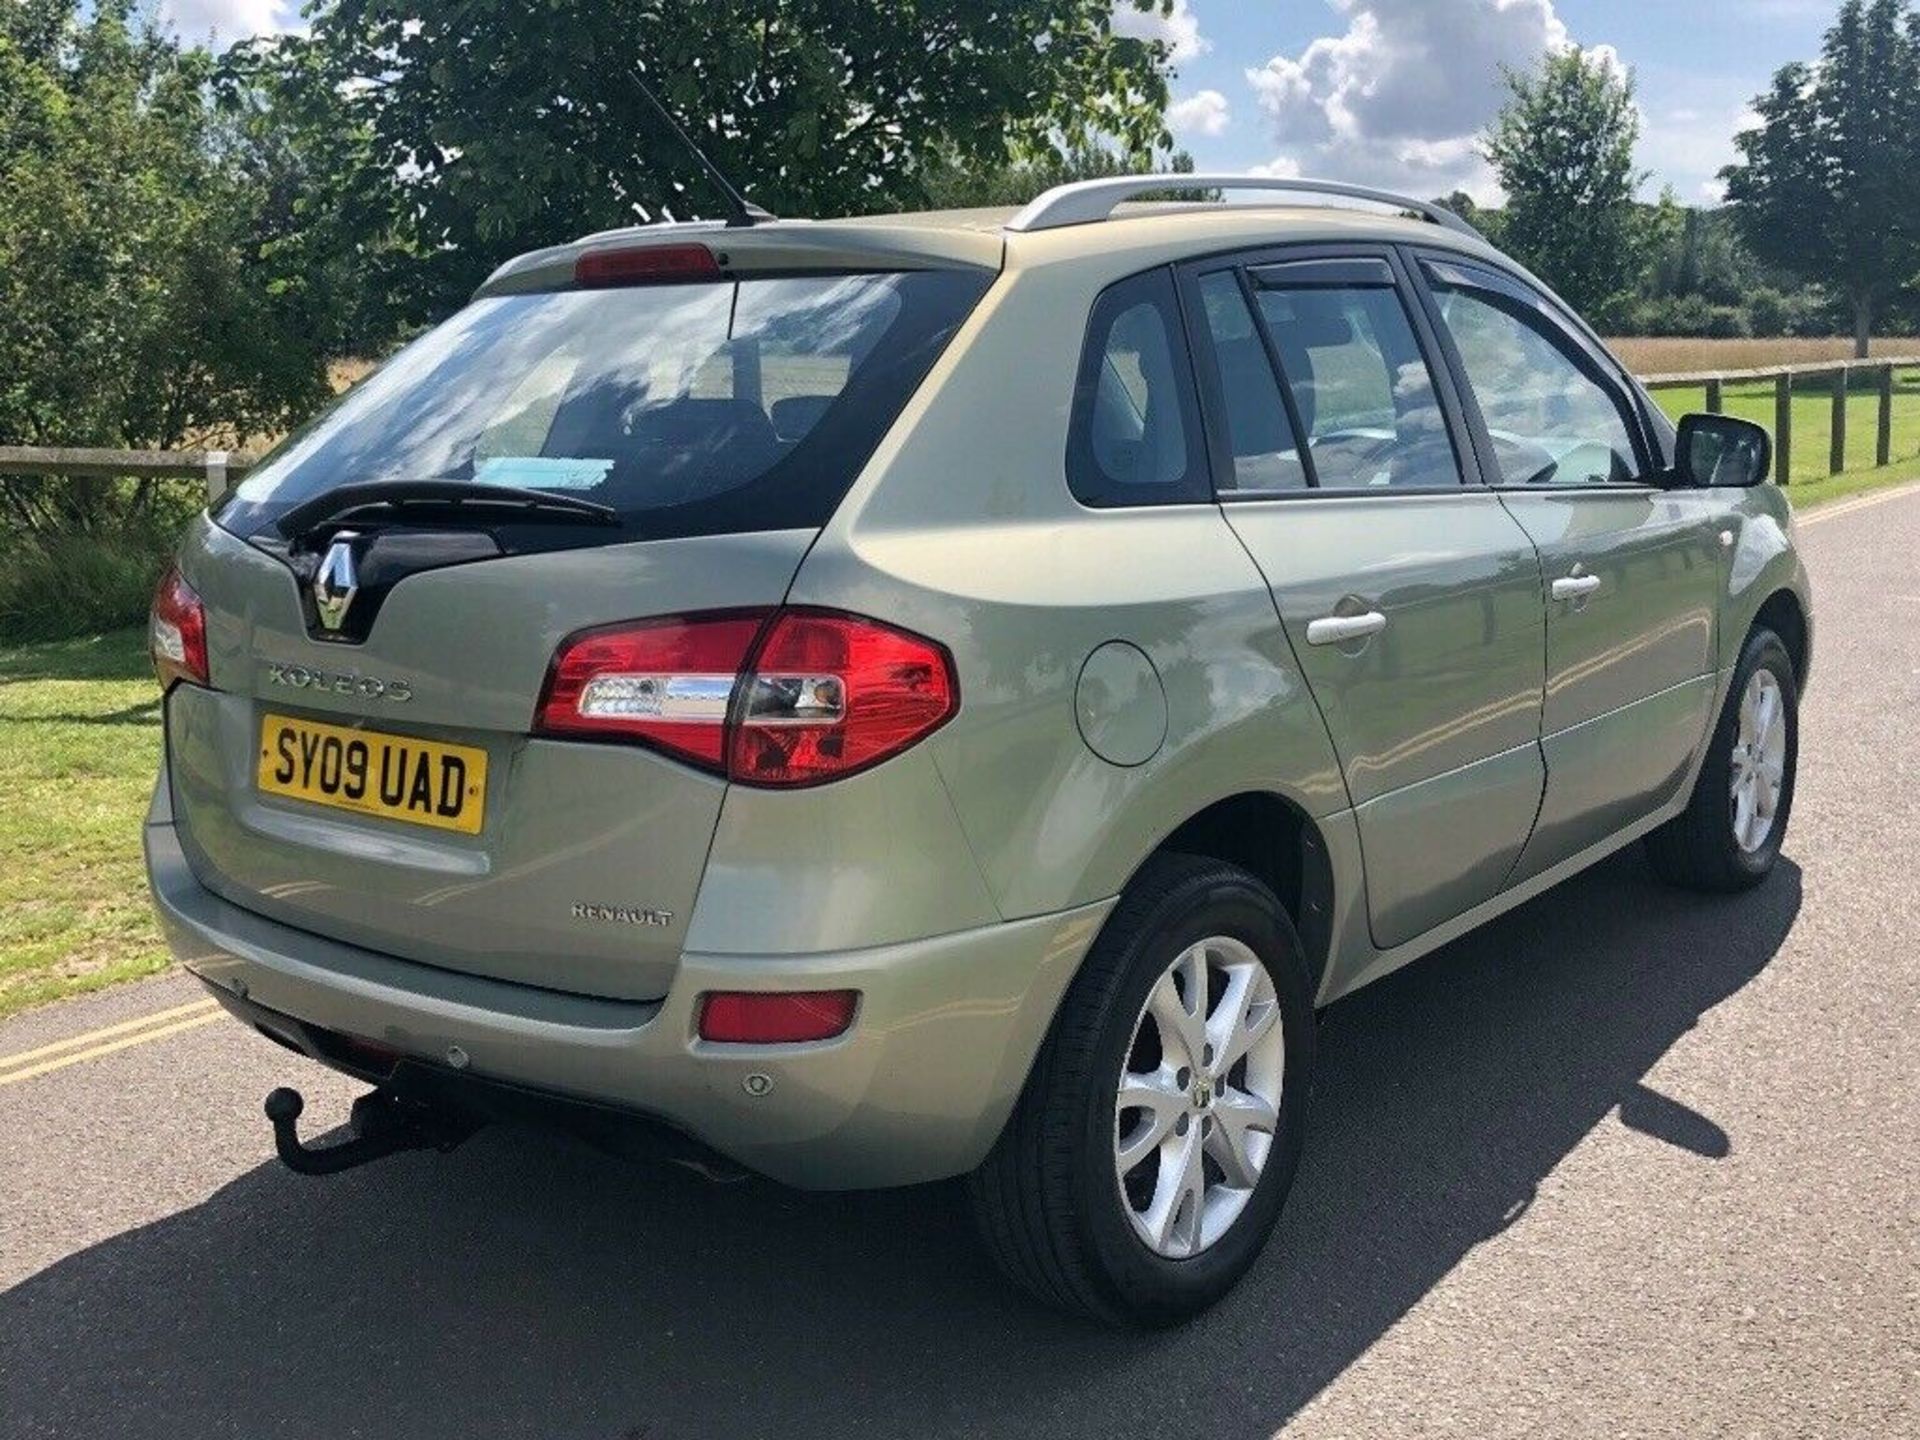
x=1720, y=450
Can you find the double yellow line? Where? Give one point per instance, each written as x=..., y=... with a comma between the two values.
x=104, y=1041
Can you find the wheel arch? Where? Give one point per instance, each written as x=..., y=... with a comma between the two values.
x=1276, y=840
x=1783, y=613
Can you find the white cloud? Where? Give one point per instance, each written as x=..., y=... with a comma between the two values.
x=1204, y=113
x=1401, y=96
x=1281, y=167
x=229, y=20
x=1178, y=28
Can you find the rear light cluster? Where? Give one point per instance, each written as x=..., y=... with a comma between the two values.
x=784, y=697
x=745, y=1017
x=177, y=632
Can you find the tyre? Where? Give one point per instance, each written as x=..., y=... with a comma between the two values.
x=1148, y=1157
x=1729, y=836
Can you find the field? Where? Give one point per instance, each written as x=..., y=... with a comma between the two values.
x=1678, y=356
x=79, y=743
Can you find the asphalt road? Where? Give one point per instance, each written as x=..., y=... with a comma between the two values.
x=1626, y=1162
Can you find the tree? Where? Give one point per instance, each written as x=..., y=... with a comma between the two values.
x=134, y=306
x=486, y=128
x=1562, y=147
x=1826, y=185
x=953, y=184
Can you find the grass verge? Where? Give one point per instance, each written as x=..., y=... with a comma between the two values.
x=79, y=744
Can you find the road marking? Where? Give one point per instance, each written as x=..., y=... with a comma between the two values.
x=105, y=1040
x=1859, y=502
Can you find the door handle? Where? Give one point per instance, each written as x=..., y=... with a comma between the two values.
x=1573, y=587
x=1339, y=629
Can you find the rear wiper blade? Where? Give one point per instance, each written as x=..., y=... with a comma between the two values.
x=483, y=502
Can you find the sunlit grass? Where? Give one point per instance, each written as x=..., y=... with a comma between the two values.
x=79, y=745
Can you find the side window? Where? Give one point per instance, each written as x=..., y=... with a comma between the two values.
x=1551, y=420
x=1135, y=435
x=1265, y=454
x=1360, y=386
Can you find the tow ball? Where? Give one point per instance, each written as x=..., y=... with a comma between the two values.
x=382, y=1124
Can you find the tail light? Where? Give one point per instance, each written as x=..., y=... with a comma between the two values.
x=787, y=697
x=177, y=632
x=775, y=1017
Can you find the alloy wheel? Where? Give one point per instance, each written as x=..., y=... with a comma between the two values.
x=1199, y=1097
x=1758, y=772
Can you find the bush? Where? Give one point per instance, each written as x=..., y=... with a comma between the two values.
x=1689, y=315
x=55, y=586
x=1774, y=313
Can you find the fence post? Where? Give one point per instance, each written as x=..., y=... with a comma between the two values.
x=216, y=475
x=1715, y=401
x=1783, y=428
x=1837, y=446
x=1883, y=442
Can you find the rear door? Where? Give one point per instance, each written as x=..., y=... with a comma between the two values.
x=1632, y=571
x=1411, y=598
x=367, y=761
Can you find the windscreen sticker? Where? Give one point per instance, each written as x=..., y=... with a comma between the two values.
x=541, y=472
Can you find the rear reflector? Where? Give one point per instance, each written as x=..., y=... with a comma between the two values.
x=645, y=264
x=774, y=1017
x=790, y=697
x=177, y=632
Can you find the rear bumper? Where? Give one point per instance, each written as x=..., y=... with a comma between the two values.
x=916, y=1090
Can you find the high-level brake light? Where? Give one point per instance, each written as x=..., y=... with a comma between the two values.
x=645, y=264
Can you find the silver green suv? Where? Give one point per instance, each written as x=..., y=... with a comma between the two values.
x=872, y=701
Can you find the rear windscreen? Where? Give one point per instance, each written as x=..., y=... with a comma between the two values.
x=689, y=409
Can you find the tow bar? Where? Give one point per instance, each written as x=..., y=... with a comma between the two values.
x=382, y=1123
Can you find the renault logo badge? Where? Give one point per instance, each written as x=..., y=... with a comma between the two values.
x=336, y=582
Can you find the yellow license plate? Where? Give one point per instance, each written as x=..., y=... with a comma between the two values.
x=397, y=777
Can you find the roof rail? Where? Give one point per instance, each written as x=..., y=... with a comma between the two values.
x=1085, y=201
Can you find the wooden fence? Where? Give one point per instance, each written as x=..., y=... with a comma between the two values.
x=220, y=468
x=1837, y=375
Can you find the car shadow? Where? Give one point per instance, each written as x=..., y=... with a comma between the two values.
x=527, y=1286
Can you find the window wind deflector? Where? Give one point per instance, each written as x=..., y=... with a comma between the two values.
x=1340, y=274
x=461, y=498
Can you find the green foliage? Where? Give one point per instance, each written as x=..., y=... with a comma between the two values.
x=1562, y=147
x=1700, y=252
x=450, y=137
x=1825, y=187
x=58, y=585
x=135, y=307
x=1684, y=315
x=950, y=183
x=1702, y=279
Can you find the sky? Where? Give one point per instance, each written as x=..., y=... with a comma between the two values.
x=1394, y=92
